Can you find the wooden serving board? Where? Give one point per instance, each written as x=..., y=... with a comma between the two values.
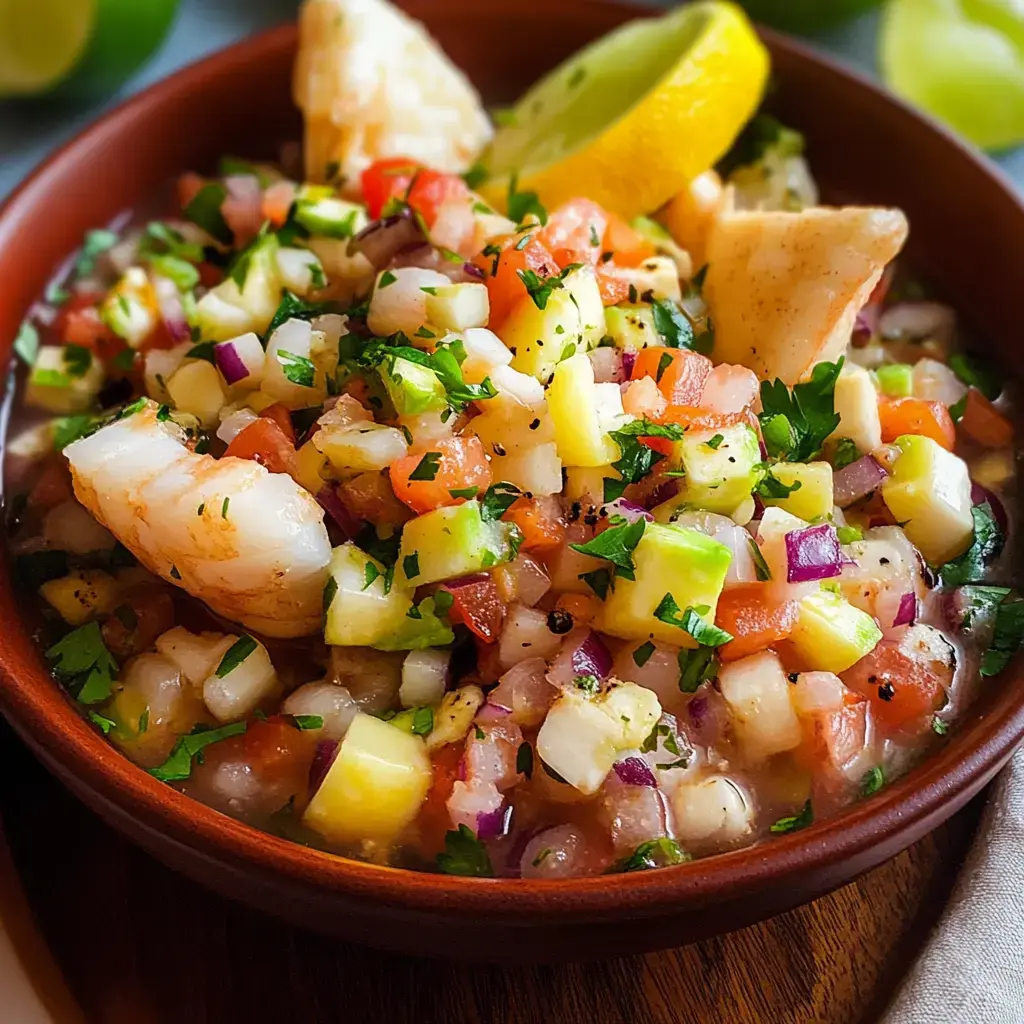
x=142, y=945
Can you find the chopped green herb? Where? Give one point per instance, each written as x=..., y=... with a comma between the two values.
x=671, y=323
x=656, y=853
x=845, y=453
x=236, y=654
x=26, y=344
x=411, y=565
x=224, y=508
x=986, y=546
x=795, y=422
x=124, y=360
x=56, y=294
x=464, y=492
x=81, y=660
x=298, y=369
x=475, y=176
x=663, y=364
x=291, y=307
x=939, y=727
x=105, y=724
x=497, y=500
x=599, y=581
x=770, y=487
x=524, y=759
x=616, y=545
x=691, y=622
x=795, y=822
x=1007, y=637
x=714, y=442
x=667, y=734
x=330, y=590
x=760, y=565
x=94, y=244
x=872, y=781
x=386, y=279
x=848, y=534
x=957, y=410
x=422, y=721
x=974, y=373
x=205, y=210
x=143, y=723
x=587, y=683
x=636, y=459
x=178, y=765
x=522, y=204
x=541, y=857
x=643, y=654
x=464, y=855
x=427, y=468
x=540, y=288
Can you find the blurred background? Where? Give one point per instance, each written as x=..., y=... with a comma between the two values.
x=63, y=61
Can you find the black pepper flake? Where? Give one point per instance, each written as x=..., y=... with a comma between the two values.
x=559, y=621
x=886, y=692
x=575, y=511
x=512, y=349
x=535, y=424
x=793, y=677
x=499, y=449
x=883, y=561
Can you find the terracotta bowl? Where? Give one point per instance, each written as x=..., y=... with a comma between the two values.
x=967, y=233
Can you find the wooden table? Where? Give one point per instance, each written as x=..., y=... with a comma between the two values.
x=140, y=944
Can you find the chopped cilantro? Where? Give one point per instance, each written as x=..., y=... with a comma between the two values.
x=616, y=545
x=205, y=210
x=427, y=467
x=540, y=288
x=26, y=344
x=974, y=373
x=422, y=721
x=957, y=409
x=522, y=204
x=386, y=279
x=291, y=307
x=305, y=722
x=985, y=548
x=1007, y=637
x=770, y=487
x=845, y=453
x=939, y=727
x=77, y=360
x=370, y=573
x=667, y=734
x=497, y=500
x=872, y=781
x=636, y=459
x=760, y=565
x=463, y=492
x=82, y=661
x=104, y=724
x=524, y=759
x=696, y=667
x=691, y=622
x=298, y=369
x=588, y=683
x=330, y=590
x=475, y=176
x=238, y=270
x=178, y=765
x=795, y=822
x=663, y=364
x=795, y=422
x=599, y=580
x=672, y=325
x=714, y=442
x=235, y=655
x=464, y=855
x=411, y=566
x=643, y=654
x=224, y=508
x=94, y=244
x=655, y=853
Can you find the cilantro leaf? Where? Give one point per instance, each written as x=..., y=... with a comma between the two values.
x=464, y=855
x=770, y=487
x=26, y=344
x=760, y=565
x=427, y=467
x=522, y=204
x=655, y=853
x=845, y=453
x=974, y=373
x=696, y=667
x=540, y=288
x=94, y=244
x=642, y=654
x=291, y=307
x=304, y=722
x=636, y=459
x=691, y=622
x=872, y=781
x=796, y=421
x=616, y=545
x=205, y=210
x=524, y=759
x=985, y=548
x=298, y=369
x=178, y=765
x=599, y=580
x=795, y=822
x=671, y=323
x=497, y=500
x=235, y=655
x=1007, y=637
x=81, y=660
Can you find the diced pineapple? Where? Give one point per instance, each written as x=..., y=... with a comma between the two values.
x=81, y=596
x=324, y=214
x=674, y=560
x=929, y=493
x=831, y=635
x=813, y=497
x=130, y=310
x=219, y=320
x=758, y=694
x=583, y=412
x=856, y=402
x=582, y=735
x=771, y=539
x=453, y=541
x=572, y=318
x=196, y=388
x=455, y=715
x=361, y=446
x=537, y=470
x=238, y=692
x=63, y=386
x=299, y=270
x=586, y=483
x=512, y=424
x=358, y=613
x=657, y=276
x=459, y=307
x=260, y=292
x=485, y=352
x=375, y=786
x=311, y=467
x=719, y=466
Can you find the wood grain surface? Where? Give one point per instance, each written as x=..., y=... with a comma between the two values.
x=141, y=945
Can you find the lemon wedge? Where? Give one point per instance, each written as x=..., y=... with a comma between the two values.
x=630, y=119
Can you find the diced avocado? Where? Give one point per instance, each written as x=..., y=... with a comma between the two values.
x=63, y=385
x=422, y=628
x=572, y=320
x=357, y=611
x=130, y=308
x=327, y=215
x=260, y=292
x=831, y=635
x=856, y=402
x=813, y=497
x=453, y=541
x=631, y=327
x=582, y=413
x=374, y=787
x=413, y=389
x=674, y=560
x=216, y=319
x=459, y=307
x=929, y=493
x=719, y=466
x=896, y=380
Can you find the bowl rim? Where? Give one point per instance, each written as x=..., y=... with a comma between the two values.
x=871, y=829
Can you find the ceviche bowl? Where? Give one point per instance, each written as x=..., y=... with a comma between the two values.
x=966, y=238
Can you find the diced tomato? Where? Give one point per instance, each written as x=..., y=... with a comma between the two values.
x=479, y=606
x=463, y=465
x=540, y=523
x=277, y=202
x=917, y=416
x=695, y=418
x=613, y=286
x=145, y=613
x=984, y=423
x=833, y=737
x=754, y=617
x=279, y=413
x=79, y=323
x=574, y=232
x=679, y=373
x=505, y=289
x=902, y=690
x=426, y=191
x=629, y=247
x=369, y=496
x=433, y=820
x=266, y=443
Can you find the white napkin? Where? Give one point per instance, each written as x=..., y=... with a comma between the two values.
x=972, y=968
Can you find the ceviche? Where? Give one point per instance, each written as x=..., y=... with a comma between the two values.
x=395, y=502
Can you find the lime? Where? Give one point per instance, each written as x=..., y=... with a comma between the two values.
x=84, y=47
x=632, y=118
x=806, y=15
x=962, y=61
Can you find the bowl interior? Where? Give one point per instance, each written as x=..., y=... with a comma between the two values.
x=967, y=234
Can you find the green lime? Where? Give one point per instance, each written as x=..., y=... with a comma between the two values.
x=804, y=16
x=83, y=47
x=962, y=61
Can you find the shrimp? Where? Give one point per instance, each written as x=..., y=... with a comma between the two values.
x=784, y=288
x=372, y=83
x=249, y=543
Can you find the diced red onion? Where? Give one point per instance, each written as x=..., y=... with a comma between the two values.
x=628, y=362
x=697, y=708
x=591, y=658
x=607, y=365
x=381, y=241
x=863, y=328
x=813, y=553
x=335, y=508
x=857, y=480
x=629, y=510
x=473, y=271
x=429, y=257
x=635, y=771
x=326, y=750
x=979, y=495
x=172, y=312
x=466, y=581
x=493, y=824
x=907, y=611
x=230, y=363
x=493, y=712
x=663, y=492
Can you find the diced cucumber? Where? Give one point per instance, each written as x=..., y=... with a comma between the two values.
x=719, y=466
x=669, y=560
x=582, y=413
x=299, y=270
x=929, y=493
x=357, y=611
x=63, y=386
x=196, y=388
x=130, y=308
x=895, y=380
x=361, y=446
x=216, y=319
x=631, y=327
x=328, y=215
x=375, y=786
x=413, y=389
x=453, y=541
x=260, y=292
x=758, y=694
x=814, y=496
x=830, y=635
x=856, y=402
x=459, y=307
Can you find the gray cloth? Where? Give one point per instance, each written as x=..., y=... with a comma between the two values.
x=972, y=969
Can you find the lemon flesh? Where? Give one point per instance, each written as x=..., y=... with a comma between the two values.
x=630, y=119
x=41, y=41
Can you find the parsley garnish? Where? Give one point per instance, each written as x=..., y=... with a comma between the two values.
x=82, y=661
x=656, y=853
x=672, y=325
x=974, y=373
x=238, y=271
x=105, y=724
x=939, y=727
x=497, y=500
x=587, y=683
x=616, y=545
x=464, y=855
x=464, y=492
x=770, y=487
x=224, y=508
x=691, y=622
x=845, y=453
x=599, y=580
x=642, y=654
x=540, y=288
x=985, y=548
x=760, y=565
x=178, y=765
x=304, y=722
x=796, y=422
x=205, y=210
x=26, y=344
x=427, y=467
x=669, y=737
x=475, y=176
x=696, y=667
x=94, y=243
x=77, y=360
x=330, y=590
x=410, y=566
x=386, y=279
x=298, y=369
x=522, y=204
x=1007, y=637
x=291, y=307
x=796, y=821
x=714, y=442
x=872, y=781
x=235, y=655
x=636, y=459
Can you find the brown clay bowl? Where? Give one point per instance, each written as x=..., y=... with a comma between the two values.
x=967, y=233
